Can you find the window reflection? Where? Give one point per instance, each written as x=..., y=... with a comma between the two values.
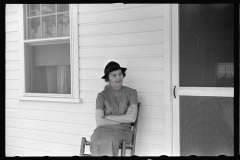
x=206, y=45
x=225, y=70
x=63, y=25
x=47, y=21
x=34, y=28
x=48, y=8
x=33, y=9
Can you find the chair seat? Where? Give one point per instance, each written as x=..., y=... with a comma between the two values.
x=129, y=146
x=87, y=142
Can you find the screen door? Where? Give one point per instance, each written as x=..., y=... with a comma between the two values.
x=203, y=79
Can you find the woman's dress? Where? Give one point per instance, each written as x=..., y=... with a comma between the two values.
x=105, y=140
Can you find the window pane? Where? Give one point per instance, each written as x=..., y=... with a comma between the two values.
x=63, y=25
x=206, y=45
x=48, y=69
x=34, y=28
x=62, y=7
x=33, y=10
x=49, y=26
x=48, y=8
x=52, y=79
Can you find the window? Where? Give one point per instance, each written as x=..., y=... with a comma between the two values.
x=49, y=48
x=47, y=20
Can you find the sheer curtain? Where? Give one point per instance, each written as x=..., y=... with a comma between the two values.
x=63, y=79
x=52, y=79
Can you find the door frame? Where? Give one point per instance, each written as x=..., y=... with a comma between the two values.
x=185, y=91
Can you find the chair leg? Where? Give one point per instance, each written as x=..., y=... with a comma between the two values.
x=133, y=151
x=123, y=150
x=82, y=146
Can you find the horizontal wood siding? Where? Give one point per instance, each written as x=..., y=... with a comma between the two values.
x=131, y=35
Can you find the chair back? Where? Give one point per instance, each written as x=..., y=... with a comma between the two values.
x=134, y=128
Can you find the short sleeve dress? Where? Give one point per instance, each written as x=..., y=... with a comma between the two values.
x=105, y=140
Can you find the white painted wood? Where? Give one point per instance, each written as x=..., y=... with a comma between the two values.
x=22, y=50
x=148, y=124
x=12, y=46
x=206, y=91
x=74, y=50
x=12, y=75
x=93, y=8
x=12, y=84
x=152, y=112
x=175, y=76
x=11, y=27
x=11, y=36
x=167, y=80
x=12, y=94
x=26, y=152
x=150, y=137
x=72, y=118
x=69, y=139
x=12, y=65
x=46, y=106
x=11, y=17
x=61, y=149
x=67, y=128
x=122, y=38
x=135, y=12
x=11, y=8
x=146, y=24
x=133, y=50
x=132, y=35
x=12, y=55
x=46, y=98
x=144, y=149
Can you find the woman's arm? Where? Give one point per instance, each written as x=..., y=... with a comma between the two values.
x=129, y=117
x=100, y=119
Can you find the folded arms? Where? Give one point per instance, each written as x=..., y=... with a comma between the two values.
x=129, y=117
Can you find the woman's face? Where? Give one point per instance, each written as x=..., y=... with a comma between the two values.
x=116, y=78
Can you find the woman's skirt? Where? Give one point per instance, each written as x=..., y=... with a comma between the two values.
x=106, y=139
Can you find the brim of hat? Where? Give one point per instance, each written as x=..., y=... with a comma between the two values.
x=123, y=70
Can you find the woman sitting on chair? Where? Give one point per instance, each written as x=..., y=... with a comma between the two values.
x=116, y=109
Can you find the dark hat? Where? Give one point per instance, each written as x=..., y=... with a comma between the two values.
x=112, y=66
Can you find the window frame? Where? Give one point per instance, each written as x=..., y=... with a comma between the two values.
x=74, y=58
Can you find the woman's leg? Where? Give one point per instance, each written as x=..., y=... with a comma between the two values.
x=105, y=141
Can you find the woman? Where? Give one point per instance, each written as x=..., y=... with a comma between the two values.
x=116, y=109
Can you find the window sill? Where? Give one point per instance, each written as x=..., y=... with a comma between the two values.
x=64, y=100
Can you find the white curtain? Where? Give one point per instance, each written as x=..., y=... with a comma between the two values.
x=52, y=79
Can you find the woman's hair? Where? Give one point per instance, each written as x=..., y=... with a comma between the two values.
x=107, y=77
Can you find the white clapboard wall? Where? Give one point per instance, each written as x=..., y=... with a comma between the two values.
x=130, y=34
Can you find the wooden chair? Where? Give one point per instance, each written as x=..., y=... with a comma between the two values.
x=123, y=146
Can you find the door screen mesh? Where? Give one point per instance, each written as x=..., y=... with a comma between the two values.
x=206, y=126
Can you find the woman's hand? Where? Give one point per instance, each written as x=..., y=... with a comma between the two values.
x=130, y=110
x=103, y=121
x=129, y=117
